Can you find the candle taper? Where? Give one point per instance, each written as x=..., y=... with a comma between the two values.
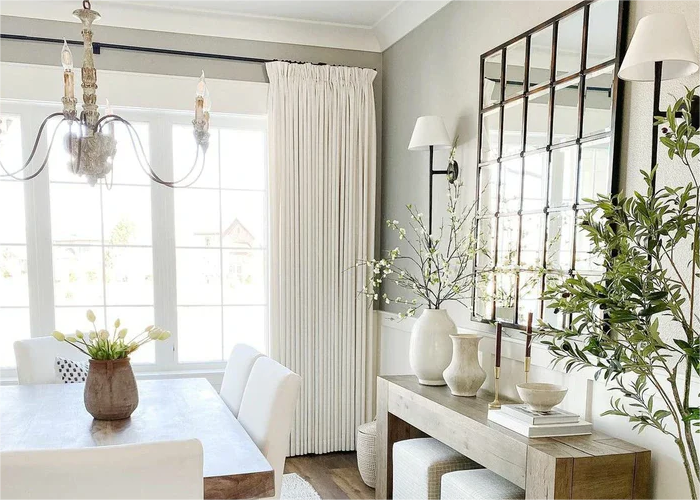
x=496, y=403
x=528, y=345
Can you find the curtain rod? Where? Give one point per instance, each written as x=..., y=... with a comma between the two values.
x=98, y=46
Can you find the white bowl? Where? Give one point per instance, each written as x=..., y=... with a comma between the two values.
x=541, y=397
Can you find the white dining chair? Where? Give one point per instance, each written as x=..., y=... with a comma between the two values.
x=267, y=410
x=36, y=357
x=238, y=368
x=169, y=469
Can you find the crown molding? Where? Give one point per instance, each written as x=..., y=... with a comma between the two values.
x=392, y=27
x=403, y=19
x=148, y=17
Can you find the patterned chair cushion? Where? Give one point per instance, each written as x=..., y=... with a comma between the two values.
x=69, y=371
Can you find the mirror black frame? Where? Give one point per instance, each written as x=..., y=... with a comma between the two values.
x=543, y=273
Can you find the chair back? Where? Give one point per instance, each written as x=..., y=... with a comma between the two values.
x=267, y=410
x=238, y=368
x=171, y=469
x=36, y=358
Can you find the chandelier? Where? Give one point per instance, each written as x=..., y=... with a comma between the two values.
x=90, y=141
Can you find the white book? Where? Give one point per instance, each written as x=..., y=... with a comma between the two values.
x=534, y=431
x=533, y=417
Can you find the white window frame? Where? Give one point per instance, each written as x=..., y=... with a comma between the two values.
x=39, y=238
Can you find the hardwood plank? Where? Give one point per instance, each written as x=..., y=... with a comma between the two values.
x=642, y=475
x=333, y=476
x=169, y=410
x=548, y=476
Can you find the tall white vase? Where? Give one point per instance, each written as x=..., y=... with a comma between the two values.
x=465, y=376
x=431, y=347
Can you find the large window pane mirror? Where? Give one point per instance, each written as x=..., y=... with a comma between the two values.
x=547, y=114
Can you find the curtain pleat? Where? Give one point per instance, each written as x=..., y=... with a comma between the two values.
x=322, y=140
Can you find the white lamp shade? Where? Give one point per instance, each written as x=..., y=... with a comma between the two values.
x=660, y=37
x=429, y=131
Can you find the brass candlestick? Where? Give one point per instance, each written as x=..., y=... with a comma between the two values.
x=496, y=404
x=527, y=367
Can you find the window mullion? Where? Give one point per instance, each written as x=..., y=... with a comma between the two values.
x=38, y=224
x=163, y=228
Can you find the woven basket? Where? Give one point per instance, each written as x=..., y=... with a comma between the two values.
x=367, y=452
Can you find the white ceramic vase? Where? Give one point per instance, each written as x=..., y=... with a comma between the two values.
x=431, y=347
x=465, y=376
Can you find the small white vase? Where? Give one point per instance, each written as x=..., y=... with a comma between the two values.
x=465, y=376
x=431, y=349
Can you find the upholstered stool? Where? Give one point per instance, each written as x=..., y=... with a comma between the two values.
x=419, y=465
x=477, y=485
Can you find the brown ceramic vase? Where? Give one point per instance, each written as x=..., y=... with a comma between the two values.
x=110, y=389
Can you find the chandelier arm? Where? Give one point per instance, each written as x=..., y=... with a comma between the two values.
x=34, y=148
x=43, y=164
x=133, y=135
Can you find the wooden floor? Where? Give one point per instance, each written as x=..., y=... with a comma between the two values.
x=333, y=475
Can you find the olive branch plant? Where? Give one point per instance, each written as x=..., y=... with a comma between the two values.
x=615, y=325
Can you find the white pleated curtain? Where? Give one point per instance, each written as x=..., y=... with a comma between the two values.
x=322, y=144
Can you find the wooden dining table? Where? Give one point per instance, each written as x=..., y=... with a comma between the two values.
x=53, y=416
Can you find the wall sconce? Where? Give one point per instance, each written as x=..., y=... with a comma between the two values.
x=428, y=134
x=661, y=49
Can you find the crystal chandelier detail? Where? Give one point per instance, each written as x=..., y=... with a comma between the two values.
x=90, y=141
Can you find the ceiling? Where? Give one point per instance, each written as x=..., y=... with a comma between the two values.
x=358, y=13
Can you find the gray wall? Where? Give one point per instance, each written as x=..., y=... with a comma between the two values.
x=434, y=70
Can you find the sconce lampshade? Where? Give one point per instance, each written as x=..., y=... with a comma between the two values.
x=663, y=38
x=429, y=131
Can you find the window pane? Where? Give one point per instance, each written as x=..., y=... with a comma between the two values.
x=126, y=169
x=483, y=296
x=594, y=178
x=597, y=111
x=77, y=275
x=488, y=189
x=515, y=68
x=532, y=241
x=560, y=233
x=569, y=37
x=11, y=143
x=508, y=232
x=528, y=301
x=12, y=220
x=489, y=135
x=511, y=179
x=244, y=277
x=562, y=177
x=602, y=31
x=199, y=334
x=127, y=215
x=492, y=79
x=541, y=57
x=198, y=277
x=14, y=281
x=537, y=120
x=129, y=276
x=487, y=240
x=243, y=159
x=246, y=325
x=550, y=317
x=197, y=218
x=513, y=128
x=185, y=152
x=14, y=324
x=75, y=214
x=70, y=319
x=505, y=297
x=135, y=319
x=535, y=182
x=243, y=219
x=565, y=113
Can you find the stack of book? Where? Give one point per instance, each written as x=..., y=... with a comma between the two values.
x=521, y=419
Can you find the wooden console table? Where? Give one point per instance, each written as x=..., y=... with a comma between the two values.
x=595, y=466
